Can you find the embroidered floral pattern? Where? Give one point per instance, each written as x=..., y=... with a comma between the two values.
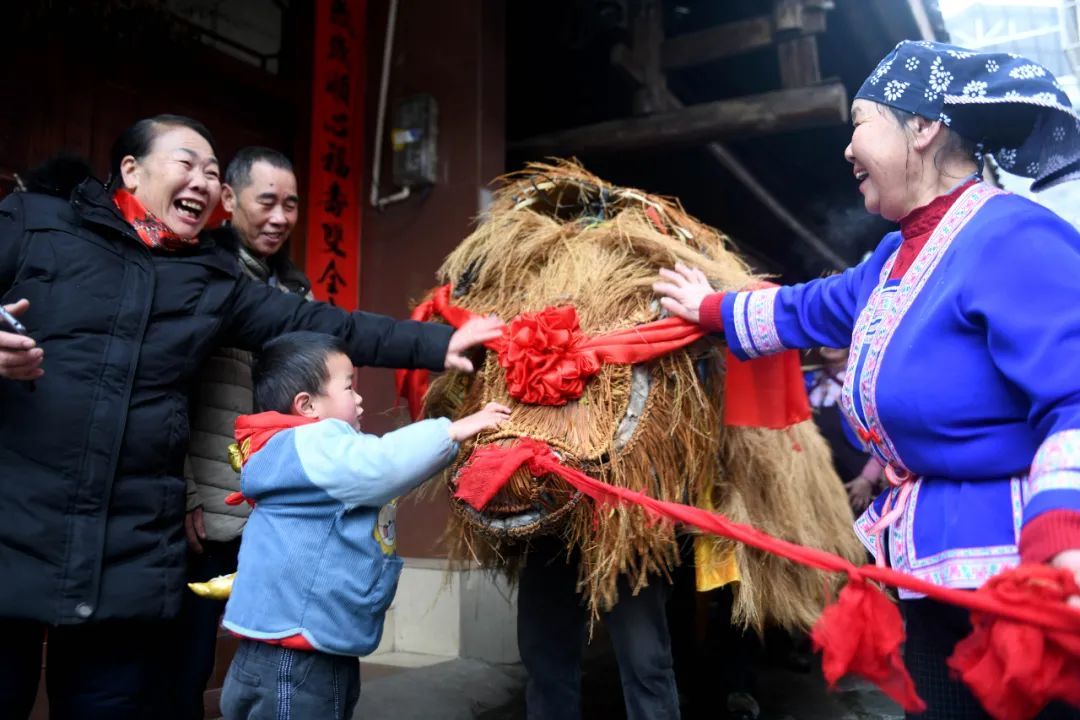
x=975, y=88
x=939, y=80
x=1027, y=72
x=1006, y=158
x=755, y=324
x=760, y=313
x=945, y=119
x=911, y=64
x=959, y=567
x=1059, y=134
x=1057, y=463
x=992, y=66
x=894, y=89
x=882, y=71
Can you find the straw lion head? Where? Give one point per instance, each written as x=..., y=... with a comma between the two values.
x=561, y=252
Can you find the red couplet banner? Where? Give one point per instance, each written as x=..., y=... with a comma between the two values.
x=337, y=146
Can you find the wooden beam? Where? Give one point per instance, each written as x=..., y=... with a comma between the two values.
x=799, y=66
x=716, y=42
x=800, y=16
x=647, y=39
x=797, y=51
x=621, y=58
x=743, y=117
x=791, y=19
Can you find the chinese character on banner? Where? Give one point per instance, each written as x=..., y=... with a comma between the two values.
x=337, y=145
x=332, y=239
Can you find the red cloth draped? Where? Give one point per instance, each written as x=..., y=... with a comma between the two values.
x=766, y=392
x=548, y=360
x=252, y=432
x=1024, y=652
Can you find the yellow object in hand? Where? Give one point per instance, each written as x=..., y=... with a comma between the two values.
x=218, y=588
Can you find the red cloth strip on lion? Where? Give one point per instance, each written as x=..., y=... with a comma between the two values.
x=548, y=360
x=1024, y=651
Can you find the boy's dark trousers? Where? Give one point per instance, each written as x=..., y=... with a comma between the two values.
x=552, y=622
x=111, y=670
x=199, y=621
x=269, y=682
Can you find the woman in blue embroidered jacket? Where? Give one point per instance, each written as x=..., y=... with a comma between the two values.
x=963, y=328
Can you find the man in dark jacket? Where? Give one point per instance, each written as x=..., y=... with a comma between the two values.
x=92, y=495
x=261, y=198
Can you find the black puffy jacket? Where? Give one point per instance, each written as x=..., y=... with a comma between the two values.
x=91, y=461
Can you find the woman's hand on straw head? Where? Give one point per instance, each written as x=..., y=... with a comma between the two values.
x=682, y=290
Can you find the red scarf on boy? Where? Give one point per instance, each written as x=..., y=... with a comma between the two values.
x=252, y=432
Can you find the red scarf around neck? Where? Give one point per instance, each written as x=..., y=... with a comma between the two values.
x=252, y=432
x=153, y=232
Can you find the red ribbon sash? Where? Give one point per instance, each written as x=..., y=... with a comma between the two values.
x=1024, y=651
x=548, y=360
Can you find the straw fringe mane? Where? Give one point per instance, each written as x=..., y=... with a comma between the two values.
x=553, y=235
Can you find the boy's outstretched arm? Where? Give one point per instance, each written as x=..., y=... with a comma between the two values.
x=367, y=470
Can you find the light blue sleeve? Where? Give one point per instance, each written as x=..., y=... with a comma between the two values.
x=358, y=469
x=819, y=312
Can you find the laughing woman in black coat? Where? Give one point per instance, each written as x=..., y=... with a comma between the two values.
x=123, y=301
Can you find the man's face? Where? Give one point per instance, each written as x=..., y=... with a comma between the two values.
x=265, y=211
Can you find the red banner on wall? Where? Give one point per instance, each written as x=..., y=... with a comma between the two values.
x=337, y=146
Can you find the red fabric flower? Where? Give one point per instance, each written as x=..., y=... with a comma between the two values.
x=1015, y=668
x=543, y=362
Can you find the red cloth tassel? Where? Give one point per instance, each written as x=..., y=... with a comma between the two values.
x=766, y=392
x=861, y=633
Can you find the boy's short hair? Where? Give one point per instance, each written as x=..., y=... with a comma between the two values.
x=291, y=364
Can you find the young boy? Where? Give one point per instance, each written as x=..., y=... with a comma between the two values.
x=317, y=566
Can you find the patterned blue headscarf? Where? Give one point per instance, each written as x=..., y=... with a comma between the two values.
x=1012, y=108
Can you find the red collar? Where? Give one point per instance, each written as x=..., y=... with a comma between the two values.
x=252, y=432
x=924, y=219
x=918, y=225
